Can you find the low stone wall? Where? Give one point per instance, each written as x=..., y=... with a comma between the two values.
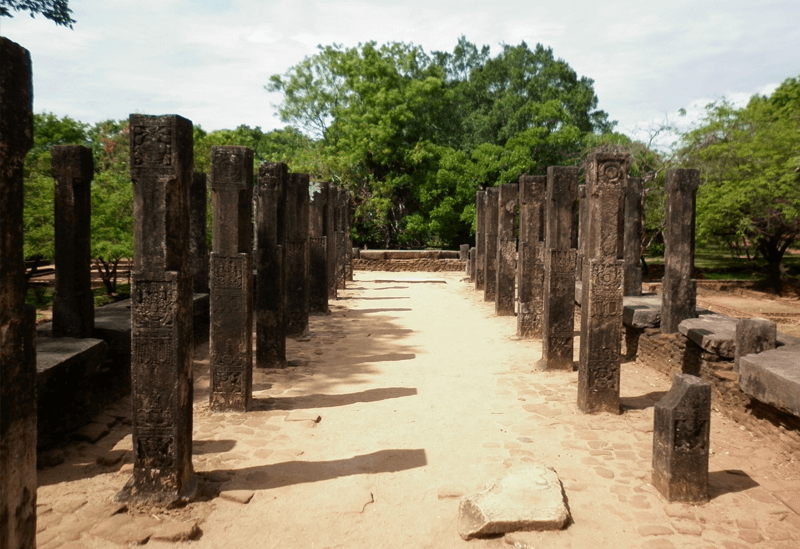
x=670, y=353
x=410, y=265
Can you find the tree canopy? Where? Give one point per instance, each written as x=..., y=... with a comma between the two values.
x=413, y=135
x=749, y=160
x=56, y=10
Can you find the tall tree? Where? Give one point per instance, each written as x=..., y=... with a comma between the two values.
x=750, y=170
x=391, y=119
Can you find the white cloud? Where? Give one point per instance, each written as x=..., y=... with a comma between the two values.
x=208, y=60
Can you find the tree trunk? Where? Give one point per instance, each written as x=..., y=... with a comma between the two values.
x=773, y=254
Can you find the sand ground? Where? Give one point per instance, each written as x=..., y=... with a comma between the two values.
x=410, y=394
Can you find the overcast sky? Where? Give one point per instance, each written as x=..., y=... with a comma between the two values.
x=208, y=60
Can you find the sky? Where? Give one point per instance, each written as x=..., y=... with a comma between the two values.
x=208, y=60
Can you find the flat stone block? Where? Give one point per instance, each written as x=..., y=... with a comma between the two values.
x=773, y=377
x=643, y=311
x=713, y=333
x=375, y=255
x=524, y=500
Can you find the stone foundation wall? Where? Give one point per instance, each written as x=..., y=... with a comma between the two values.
x=670, y=353
x=410, y=265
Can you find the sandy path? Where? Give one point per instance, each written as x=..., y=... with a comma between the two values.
x=425, y=395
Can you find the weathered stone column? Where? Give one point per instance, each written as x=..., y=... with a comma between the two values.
x=582, y=225
x=329, y=230
x=754, y=335
x=73, y=305
x=490, y=221
x=198, y=248
x=506, y=250
x=559, y=269
x=679, y=292
x=348, y=269
x=161, y=312
x=601, y=301
x=681, y=440
x=530, y=271
x=471, y=264
x=231, y=310
x=269, y=304
x=341, y=239
x=318, y=251
x=296, y=255
x=632, y=238
x=480, y=240
x=17, y=322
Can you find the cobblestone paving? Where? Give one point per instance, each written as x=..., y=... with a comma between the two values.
x=378, y=426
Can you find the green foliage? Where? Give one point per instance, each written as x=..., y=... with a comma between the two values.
x=112, y=192
x=749, y=160
x=56, y=10
x=414, y=135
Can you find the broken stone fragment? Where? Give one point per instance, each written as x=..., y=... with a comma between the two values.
x=524, y=500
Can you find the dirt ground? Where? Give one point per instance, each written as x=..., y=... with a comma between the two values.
x=409, y=395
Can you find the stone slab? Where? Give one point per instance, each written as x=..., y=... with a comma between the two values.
x=642, y=311
x=716, y=333
x=773, y=377
x=523, y=500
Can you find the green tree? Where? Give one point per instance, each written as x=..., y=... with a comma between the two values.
x=56, y=10
x=391, y=121
x=749, y=160
x=112, y=200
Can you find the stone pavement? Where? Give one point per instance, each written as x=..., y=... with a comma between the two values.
x=405, y=398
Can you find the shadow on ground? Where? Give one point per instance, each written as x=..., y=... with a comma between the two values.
x=287, y=473
x=330, y=401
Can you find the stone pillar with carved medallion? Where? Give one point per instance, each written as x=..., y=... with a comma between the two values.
x=161, y=160
x=601, y=300
x=231, y=336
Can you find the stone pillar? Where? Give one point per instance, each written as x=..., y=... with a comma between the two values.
x=329, y=230
x=17, y=322
x=296, y=255
x=681, y=440
x=348, y=269
x=559, y=269
x=582, y=225
x=318, y=251
x=754, y=335
x=463, y=252
x=632, y=238
x=471, y=264
x=506, y=250
x=73, y=305
x=161, y=312
x=198, y=247
x=270, y=214
x=341, y=239
x=490, y=221
x=480, y=240
x=231, y=303
x=601, y=301
x=679, y=292
x=530, y=271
